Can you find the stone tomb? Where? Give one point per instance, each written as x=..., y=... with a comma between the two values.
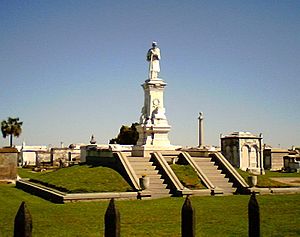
x=243, y=150
x=8, y=164
x=273, y=158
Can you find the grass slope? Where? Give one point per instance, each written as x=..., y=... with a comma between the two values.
x=266, y=181
x=216, y=216
x=187, y=176
x=81, y=178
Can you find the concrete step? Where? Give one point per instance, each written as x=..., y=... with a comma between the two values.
x=208, y=164
x=143, y=166
x=137, y=159
x=214, y=175
x=154, y=178
x=219, y=184
x=227, y=189
x=212, y=172
x=155, y=196
x=151, y=173
x=158, y=187
x=228, y=192
x=198, y=159
x=145, y=170
x=157, y=182
x=207, y=167
x=139, y=163
x=224, y=186
x=205, y=163
x=219, y=181
x=158, y=191
x=230, y=189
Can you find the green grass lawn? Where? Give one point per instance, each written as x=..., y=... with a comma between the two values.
x=216, y=216
x=28, y=173
x=266, y=181
x=187, y=176
x=80, y=178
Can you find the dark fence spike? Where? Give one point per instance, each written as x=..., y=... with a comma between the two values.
x=23, y=222
x=188, y=219
x=112, y=220
x=253, y=217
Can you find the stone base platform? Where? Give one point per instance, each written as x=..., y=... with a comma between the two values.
x=56, y=196
x=146, y=150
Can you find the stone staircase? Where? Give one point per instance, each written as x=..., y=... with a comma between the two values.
x=214, y=175
x=143, y=166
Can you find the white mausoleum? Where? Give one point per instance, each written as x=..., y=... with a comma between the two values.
x=244, y=150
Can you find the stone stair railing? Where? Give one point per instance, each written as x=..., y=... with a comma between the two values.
x=198, y=170
x=177, y=186
x=130, y=172
x=231, y=172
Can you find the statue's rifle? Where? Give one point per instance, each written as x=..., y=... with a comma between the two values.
x=150, y=65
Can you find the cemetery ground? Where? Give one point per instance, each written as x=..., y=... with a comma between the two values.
x=216, y=216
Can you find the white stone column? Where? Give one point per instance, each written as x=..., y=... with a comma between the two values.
x=200, y=130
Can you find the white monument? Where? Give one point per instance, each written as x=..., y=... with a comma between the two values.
x=153, y=126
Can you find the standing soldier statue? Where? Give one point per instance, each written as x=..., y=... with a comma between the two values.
x=153, y=57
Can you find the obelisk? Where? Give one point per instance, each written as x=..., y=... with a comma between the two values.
x=201, y=130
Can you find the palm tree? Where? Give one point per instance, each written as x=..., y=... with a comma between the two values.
x=11, y=127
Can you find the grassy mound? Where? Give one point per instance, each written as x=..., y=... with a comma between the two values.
x=80, y=179
x=187, y=176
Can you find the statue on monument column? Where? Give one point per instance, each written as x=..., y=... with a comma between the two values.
x=153, y=57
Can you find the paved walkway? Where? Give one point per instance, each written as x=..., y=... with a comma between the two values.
x=292, y=181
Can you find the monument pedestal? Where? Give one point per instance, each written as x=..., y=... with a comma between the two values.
x=154, y=127
x=154, y=135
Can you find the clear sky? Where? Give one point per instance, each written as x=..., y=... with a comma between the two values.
x=70, y=69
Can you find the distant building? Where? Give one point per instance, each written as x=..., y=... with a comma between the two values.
x=31, y=155
x=65, y=154
x=41, y=155
x=292, y=160
x=273, y=158
x=243, y=150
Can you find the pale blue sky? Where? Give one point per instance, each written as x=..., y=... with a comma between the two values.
x=70, y=69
